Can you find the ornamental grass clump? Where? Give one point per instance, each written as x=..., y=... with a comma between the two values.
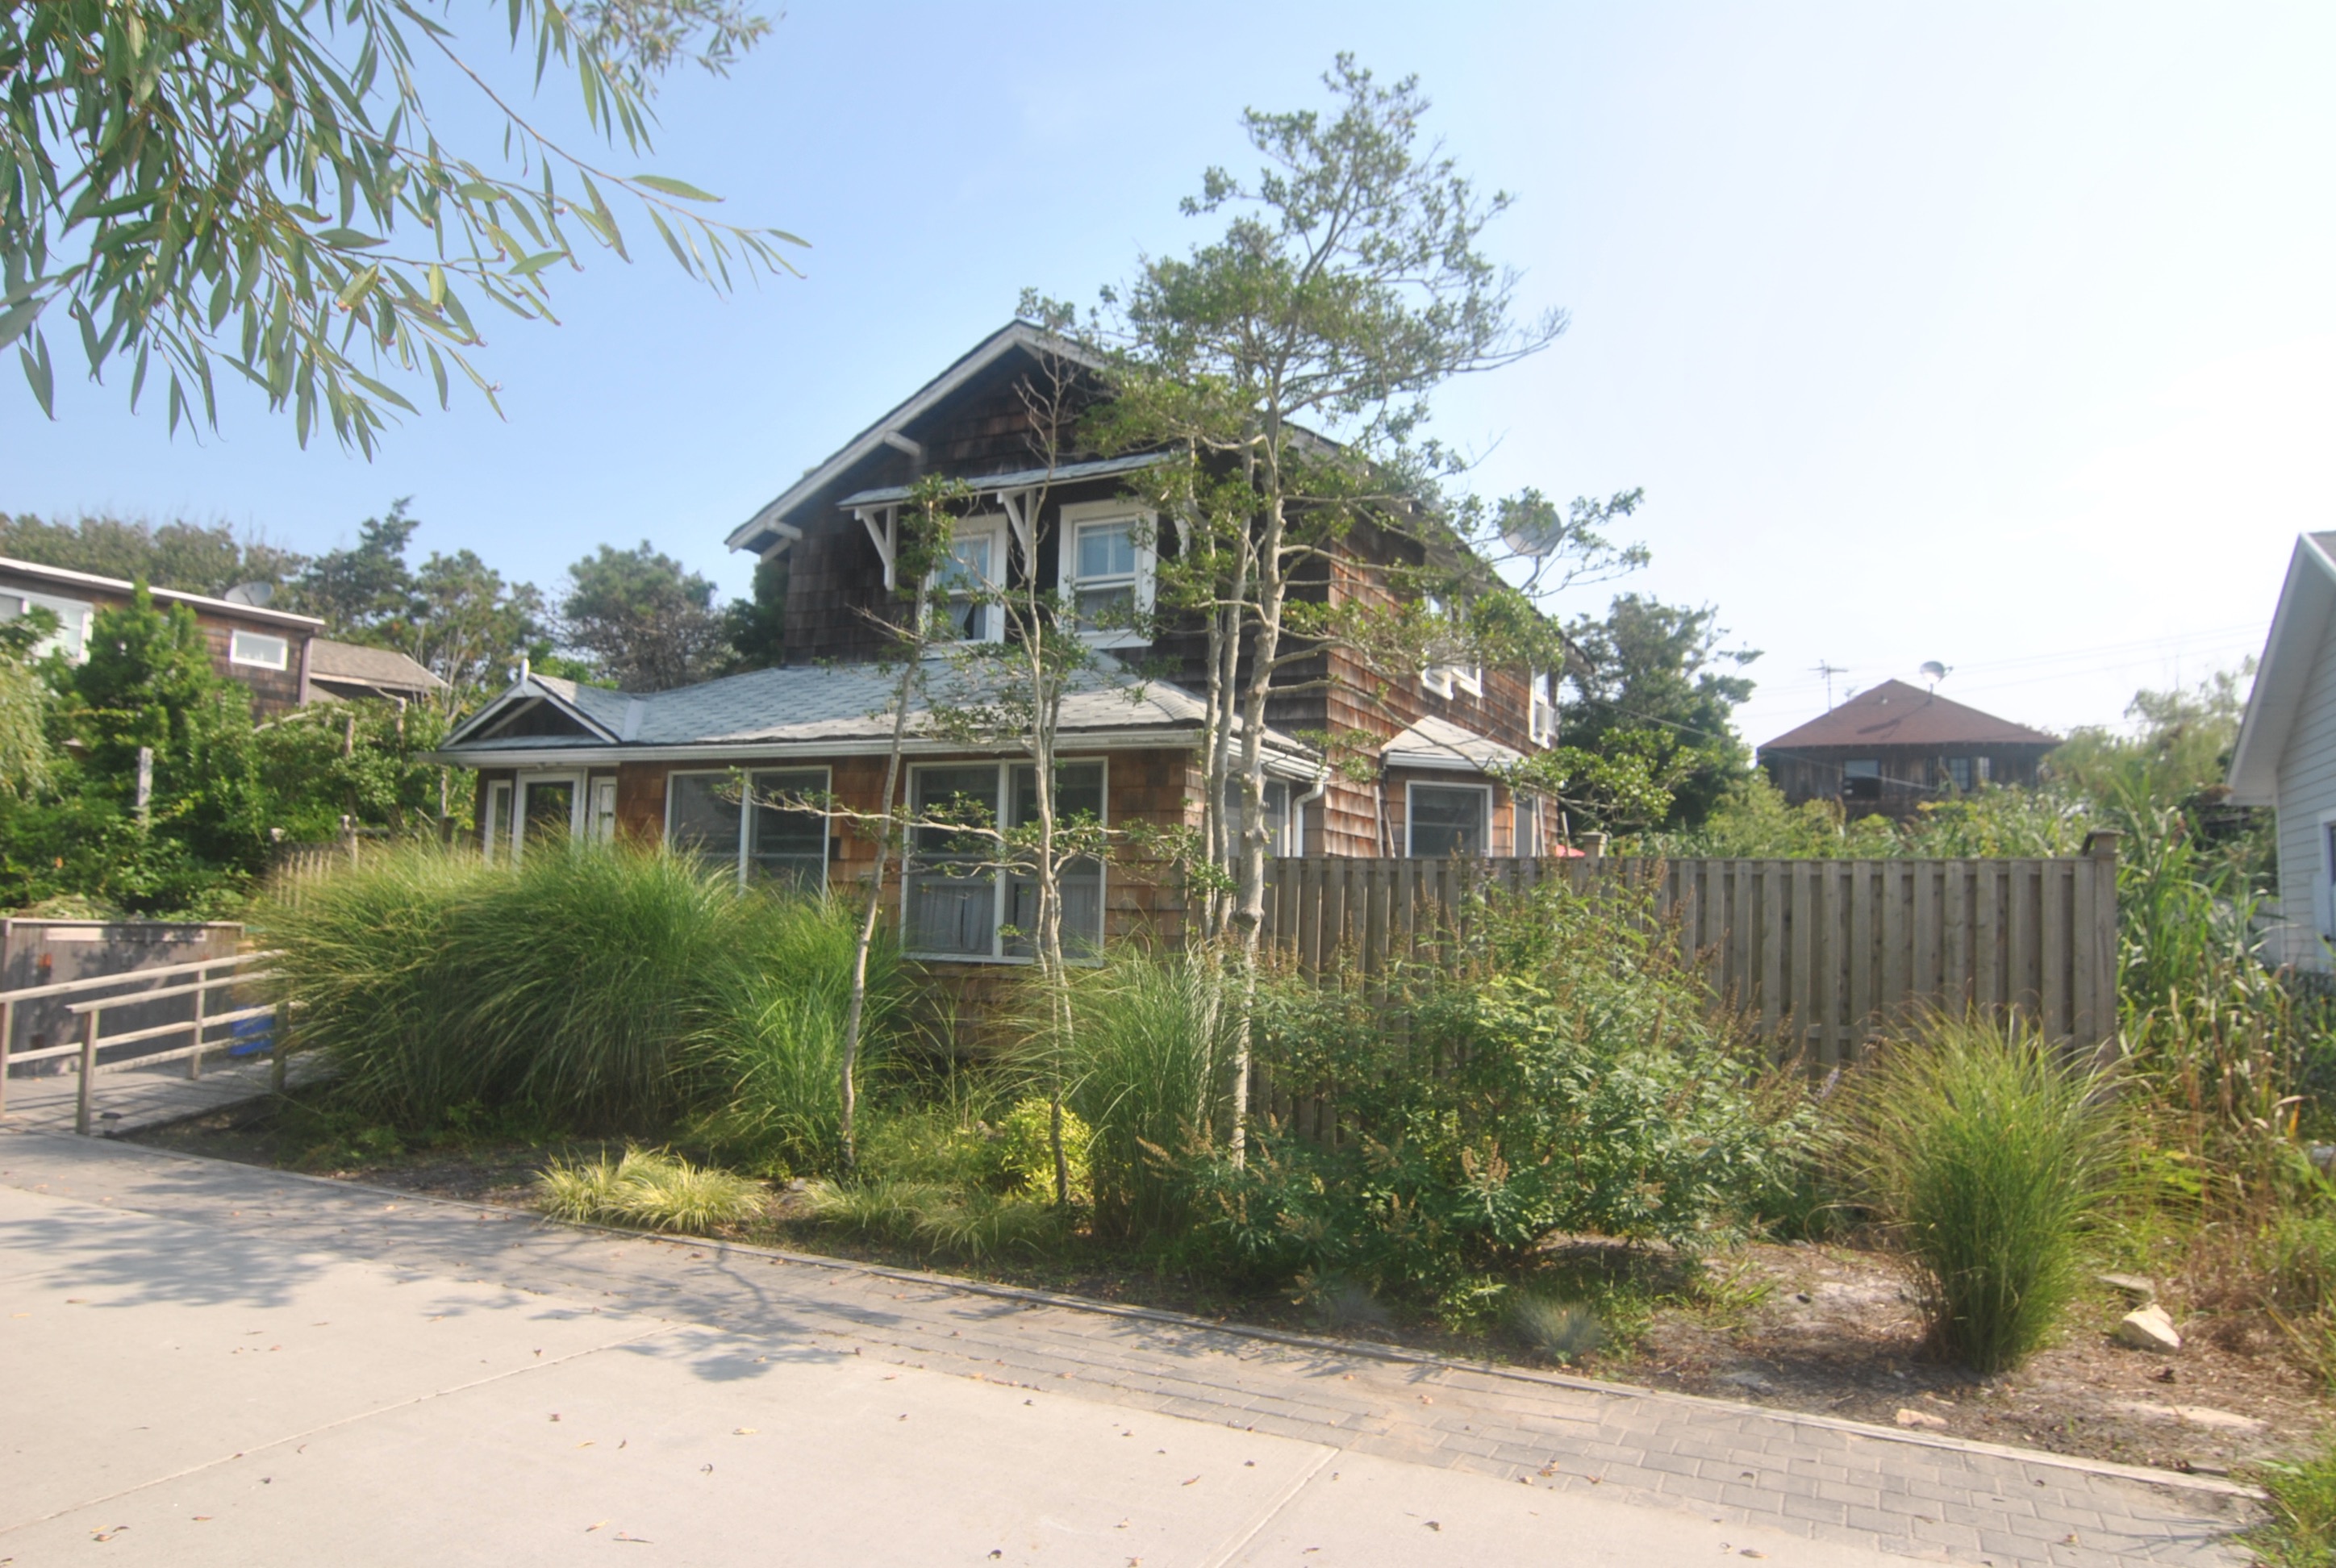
x=650, y=1190
x=1984, y=1153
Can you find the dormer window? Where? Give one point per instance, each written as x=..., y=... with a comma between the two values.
x=1543, y=722
x=1107, y=571
x=971, y=578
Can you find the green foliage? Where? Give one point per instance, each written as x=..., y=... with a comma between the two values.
x=936, y=1178
x=226, y=182
x=650, y=1189
x=596, y=987
x=1557, y=1073
x=774, y=1053
x=756, y=628
x=643, y=619
x=2301, y=1530
x=194, y=557
x=1564, y=1332
x=1025, y=1150
x=1985, y=1155
x=1149, y=1061
x=1652, y=679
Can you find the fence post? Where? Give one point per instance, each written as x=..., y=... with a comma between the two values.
x=7, y=1039
x=88, y=1069
x=202, y=994
x=2101, y=844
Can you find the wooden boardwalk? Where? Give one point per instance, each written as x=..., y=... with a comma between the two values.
x=130, y=1099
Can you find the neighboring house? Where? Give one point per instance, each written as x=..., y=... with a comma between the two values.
x=348, y=669
x=551, y=753
x=1892, y=747
x=2286, y=754
x=266, y=650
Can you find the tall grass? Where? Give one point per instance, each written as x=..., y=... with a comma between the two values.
x=595, y=986
x=1147, y=1067
x=652, y=1188
x=1985, y=1155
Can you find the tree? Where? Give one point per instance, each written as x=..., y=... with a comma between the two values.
x=1650, y=680
x=1346, y=287
x=643, y=618
x=364, y=593
x=756, y=628
x=469, y=626
x=262, y=185
x=194, y=557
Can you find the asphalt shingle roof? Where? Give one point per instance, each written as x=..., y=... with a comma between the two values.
x=1897, y=714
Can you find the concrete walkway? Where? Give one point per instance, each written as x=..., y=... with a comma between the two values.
x=209, y=1363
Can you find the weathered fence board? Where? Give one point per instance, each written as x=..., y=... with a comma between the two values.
x=1818, y=955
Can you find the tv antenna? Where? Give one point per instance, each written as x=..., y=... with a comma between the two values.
x=1934, y=672
x=1828, y=669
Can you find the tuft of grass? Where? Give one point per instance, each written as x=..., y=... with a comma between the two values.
x=2301, y=1530
x=1564, y=1332
x=937, y=1219
x=1984, y=1153
x=650, y=1189
x=1150, y=1043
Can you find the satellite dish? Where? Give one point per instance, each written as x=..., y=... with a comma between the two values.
x=1533, y=529
x=259, y=595
x=1934, y=672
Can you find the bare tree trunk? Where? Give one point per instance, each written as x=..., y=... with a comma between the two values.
x=848, y=1098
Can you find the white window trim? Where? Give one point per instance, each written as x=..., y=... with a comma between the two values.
x=1411, y=793
x=992, y=526
x=1443, y=679
x=500, y=793
x=235, y=654
x=2323, y=886
x=746, y=837
x=997, y=878
x=600, y=826
x=1540, y=721
x=1147, y=560
x=574, y=780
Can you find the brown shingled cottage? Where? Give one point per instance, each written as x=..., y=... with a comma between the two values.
x=1892, y=747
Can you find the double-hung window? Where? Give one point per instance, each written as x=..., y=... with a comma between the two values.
x=1107, y=570
x=1455, y=673
x=1281, y=834
x=967, y=584
x=965, y=896
x=1542, y=723
x=782, y=841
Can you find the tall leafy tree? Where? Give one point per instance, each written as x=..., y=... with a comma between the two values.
x=647, y=622
x=469, y=626
x=365, y=593
x=756, y=627
x=1651, y=682
x=261, y=185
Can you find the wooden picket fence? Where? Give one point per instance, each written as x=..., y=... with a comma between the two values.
x=1818, y=956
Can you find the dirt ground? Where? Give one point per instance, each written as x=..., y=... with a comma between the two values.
x=1829, y=1330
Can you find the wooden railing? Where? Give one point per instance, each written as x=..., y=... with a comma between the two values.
x=210, y=976
x=1818, y=955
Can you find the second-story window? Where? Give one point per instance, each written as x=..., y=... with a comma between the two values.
x=1107, y=571
x=1543, y=722
x=259, y=650
x=971, y=578
x=1457, y=672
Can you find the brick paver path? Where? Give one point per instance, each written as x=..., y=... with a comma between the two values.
x=1928, y=1498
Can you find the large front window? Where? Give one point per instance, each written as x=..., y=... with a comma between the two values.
x=970, y=896
x=782, y=841
x=1450, y=820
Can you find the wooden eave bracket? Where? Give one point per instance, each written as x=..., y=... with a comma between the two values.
x=1021, y=517
x=883, y=526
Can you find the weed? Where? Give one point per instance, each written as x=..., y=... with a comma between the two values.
x=1564, y=1332
x=2301, y=1530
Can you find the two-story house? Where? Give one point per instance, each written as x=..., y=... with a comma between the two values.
x=569, y=760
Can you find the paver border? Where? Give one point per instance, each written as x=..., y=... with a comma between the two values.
x=1369, y=1350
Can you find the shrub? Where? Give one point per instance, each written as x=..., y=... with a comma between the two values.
x=1025, y=1150
x=593, y=986
x=1984, y=1153
x=1564, y=1332
x=1560, y=1075
x=652, y=1189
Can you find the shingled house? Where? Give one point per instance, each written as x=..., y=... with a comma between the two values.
x=559, y=758
x=1894, y=746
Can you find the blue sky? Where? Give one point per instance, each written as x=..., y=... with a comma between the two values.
x=2001, y=335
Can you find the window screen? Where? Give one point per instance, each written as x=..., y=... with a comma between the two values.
x=1446, y=821
x=790, y=842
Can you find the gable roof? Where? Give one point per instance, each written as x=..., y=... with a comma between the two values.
x=353, y=664
x=1897, y=714
x=816, y=710
x=1439, y=744
x=2297, y=630
x=767, y=530
x=201, y=603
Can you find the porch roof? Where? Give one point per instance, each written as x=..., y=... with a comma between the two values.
x=1438, y=743
x=812, y=710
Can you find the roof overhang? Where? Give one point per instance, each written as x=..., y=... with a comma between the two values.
x=748, y=753
x=767, y=532
x=62, y=578
x=1020, y=479
x=2298, y=629
x=525, y=689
